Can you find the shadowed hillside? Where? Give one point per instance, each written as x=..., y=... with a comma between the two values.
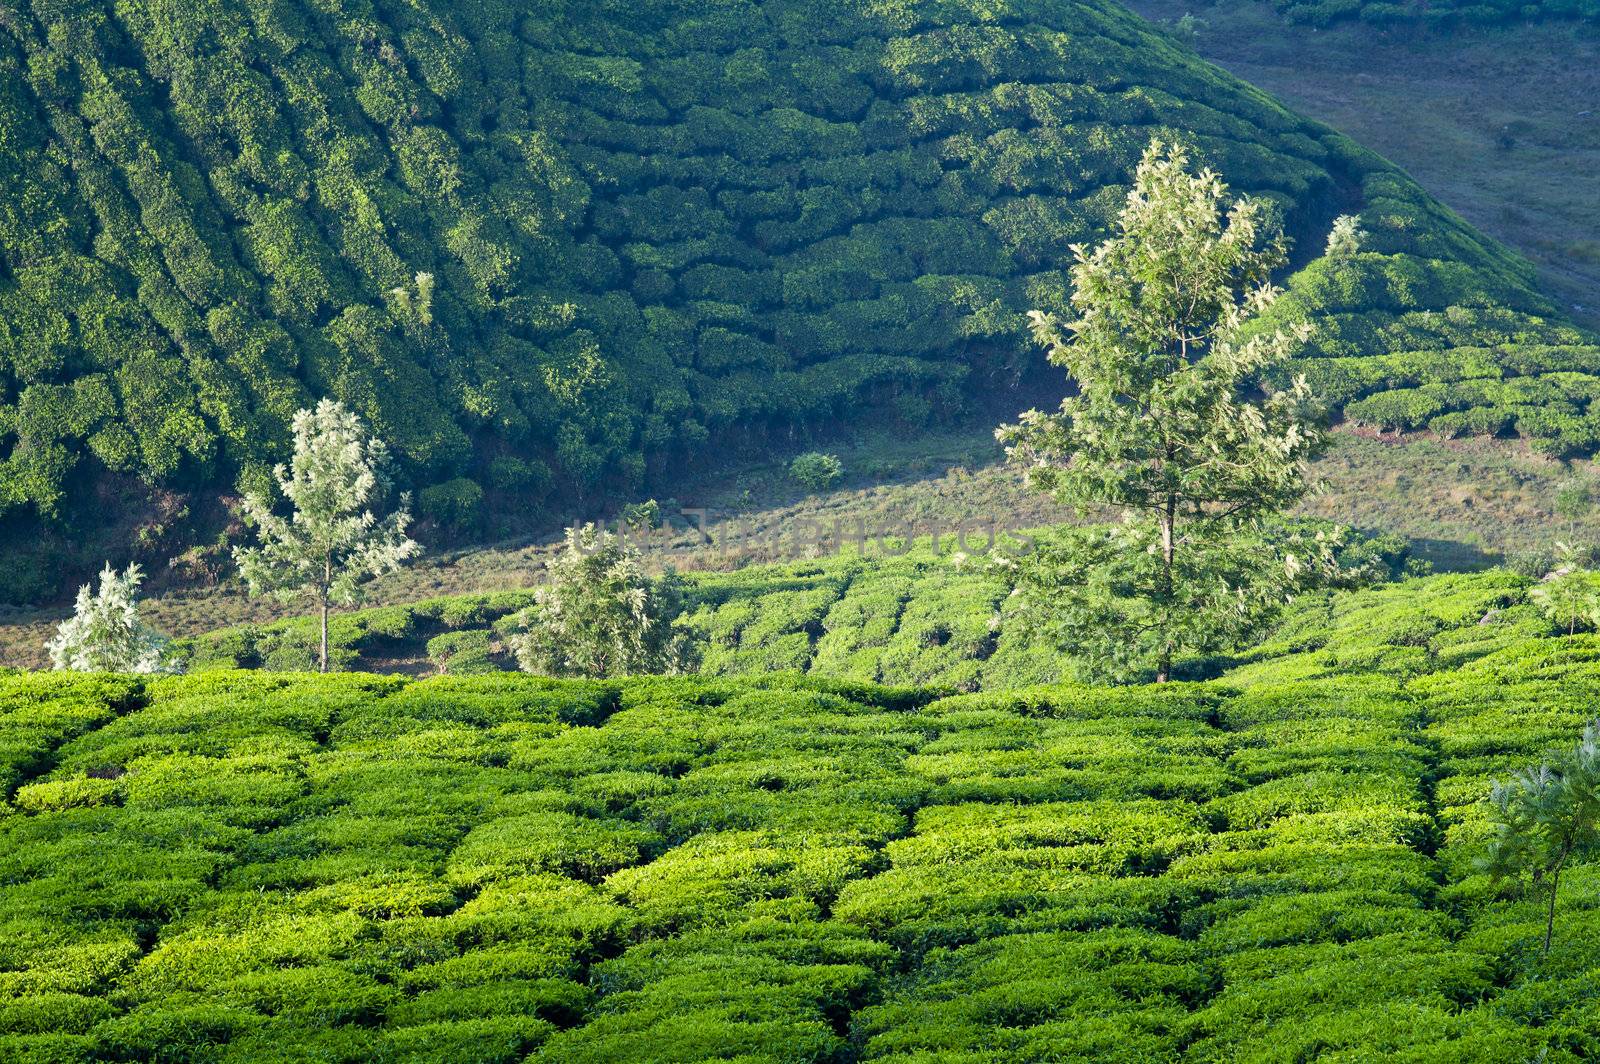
x=639, y=227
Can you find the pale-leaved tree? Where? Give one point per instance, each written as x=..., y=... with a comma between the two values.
x=1345, y=238
x=1175, y=424
x=334, y=540
x=105, y=633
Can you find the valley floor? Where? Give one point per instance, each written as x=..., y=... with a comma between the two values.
x=1464, y=504
x=1501, y=124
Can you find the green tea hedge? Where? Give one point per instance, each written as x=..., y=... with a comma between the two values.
x=1275, y=865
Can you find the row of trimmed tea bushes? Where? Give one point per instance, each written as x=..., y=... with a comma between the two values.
x=1506, y=711
x=1545, y=394
x=911, y=619
x=40, y=712
x=1029, y=903
x=1403, y=629
x=1322, y=926
x=457, y=631
x=363, y=869
x=784, y=868
x=256, y=864
x=783, y=798
x=1171, y=876
x=1263, y=890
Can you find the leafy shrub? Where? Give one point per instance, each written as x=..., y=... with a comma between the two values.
x=456, y=503
x=600, y=616
x=816, y=471
x=105, y=634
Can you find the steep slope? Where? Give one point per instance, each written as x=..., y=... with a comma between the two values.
x=647, y=225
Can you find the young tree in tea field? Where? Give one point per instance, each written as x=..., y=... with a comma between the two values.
x=600, y=615
x=1569, y=595
x=1575, y=502
x=333, y=541
x=1175, y=425
x=105, y=632
x=1544, y=817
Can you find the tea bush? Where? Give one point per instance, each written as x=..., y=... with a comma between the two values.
x=893, y=612
x=643, y=226
x=1276, y=864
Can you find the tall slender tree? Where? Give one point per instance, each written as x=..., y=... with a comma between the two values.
x=333, y=541
x=1175, y=424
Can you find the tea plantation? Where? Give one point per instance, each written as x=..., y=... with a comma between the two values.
x=1272, y=866
x=639, y=226
x=891, y=613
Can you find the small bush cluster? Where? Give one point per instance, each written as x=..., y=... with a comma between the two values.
x=816, y=471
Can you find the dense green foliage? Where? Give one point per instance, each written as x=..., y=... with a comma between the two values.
x=816, y=471
x=545, y=250
x=1169, y=425
x=1279, y=865
x=1542, y=393
x=599, y=615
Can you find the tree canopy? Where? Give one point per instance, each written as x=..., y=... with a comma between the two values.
x=335, y=539
x=600, y=615
x=1175, y=425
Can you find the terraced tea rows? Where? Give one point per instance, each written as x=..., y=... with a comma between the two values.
x=916, y=618
x=1275, y=866
x=548, y=252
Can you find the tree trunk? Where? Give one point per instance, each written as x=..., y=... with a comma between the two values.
x=327, y=579
x=1550, y=916
x=1168, y=519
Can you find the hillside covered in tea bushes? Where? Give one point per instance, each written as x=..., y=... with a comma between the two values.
x=891, y=614
x=1276, y=865
x=640, y=227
